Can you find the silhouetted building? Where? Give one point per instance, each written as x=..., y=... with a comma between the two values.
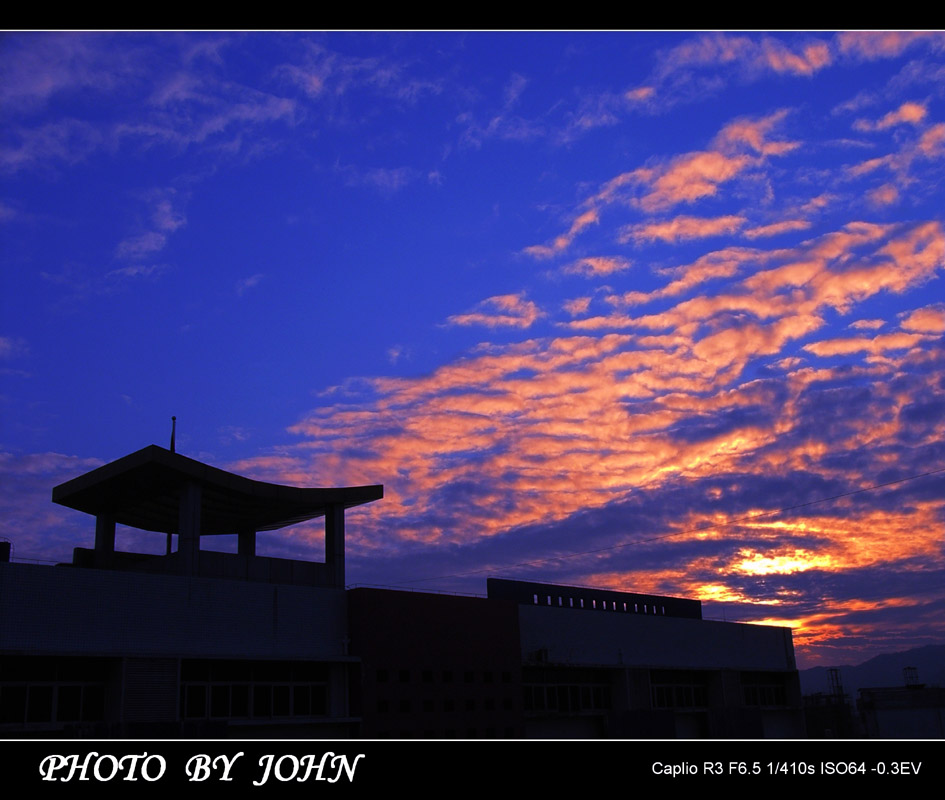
x=618, y=664
x=436, y=666
x=192, y=642
x=913, y=711
x=829, y=715
x=207, y=644
x=549, y=661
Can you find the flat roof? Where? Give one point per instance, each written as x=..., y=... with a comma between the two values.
x=142, y=490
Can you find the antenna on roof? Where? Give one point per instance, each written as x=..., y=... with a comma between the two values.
x=173, y=431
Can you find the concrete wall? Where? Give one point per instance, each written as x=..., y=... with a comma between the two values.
x=572, y=636
x=66, y=610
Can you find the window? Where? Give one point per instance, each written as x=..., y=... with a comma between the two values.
x=224, y=689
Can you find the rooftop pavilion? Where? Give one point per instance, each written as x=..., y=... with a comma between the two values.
x=158, y=490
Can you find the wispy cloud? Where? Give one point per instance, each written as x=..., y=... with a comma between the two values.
x=138, y=271
x=702, y=65
x=501, y=122
x=873, y=45
x=13, y=347
x=141, y=246
x=386, y=180
x=751, y=54
x=245, y=284
x=595, y=266
x=776, y=228
x=562, y=242
x=36, y=67
x=162, y=217
x=187, y=109
x=326, y=74
x=66, y=141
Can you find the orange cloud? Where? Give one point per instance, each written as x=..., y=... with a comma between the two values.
x=872, y=45
x=811, y=59
x=754, y=133
x=639, y=94
x=818, y=542
x=818, y=203
x=912, y=113
x=867, y=324
x=754, y=55
x=578, y=305
x=562, y=242
x=930, y=319
x=868, y=166
x=682, y=227
x=687, y=178
x=876, y=345
x=930, y=145
x=691, y=177
x=884, y=195
x=502, y=310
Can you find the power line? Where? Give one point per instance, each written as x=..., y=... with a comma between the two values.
x=698, y=529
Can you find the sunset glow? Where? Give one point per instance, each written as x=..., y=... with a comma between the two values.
x=660, y=312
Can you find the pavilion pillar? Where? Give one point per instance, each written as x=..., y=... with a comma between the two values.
x=188, y=528
x=105, y=533
x=335, y=543
x=246, y=542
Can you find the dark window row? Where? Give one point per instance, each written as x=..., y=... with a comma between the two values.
x=566, y=699
x=37, y=703
x=680, y=696
x=764, y=689
x=246, y=701
x=765, y=696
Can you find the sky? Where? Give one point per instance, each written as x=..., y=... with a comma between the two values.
x=646, y=311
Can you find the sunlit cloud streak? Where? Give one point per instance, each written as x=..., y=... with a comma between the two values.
x=596, y=266
x=503, y=310
x=682, y=227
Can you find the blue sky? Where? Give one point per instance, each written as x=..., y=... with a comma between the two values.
x=593, y=307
